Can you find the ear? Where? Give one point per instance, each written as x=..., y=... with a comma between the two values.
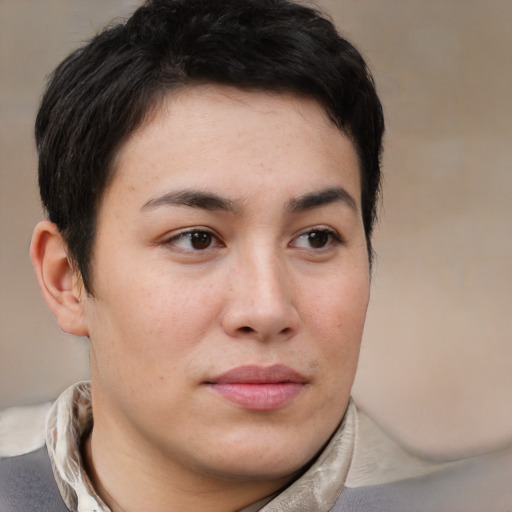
x=60, y=285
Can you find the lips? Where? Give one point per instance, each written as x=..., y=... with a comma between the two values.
x=259, y=388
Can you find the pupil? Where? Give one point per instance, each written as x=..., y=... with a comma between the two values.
x=318, y=239
x=201, y=240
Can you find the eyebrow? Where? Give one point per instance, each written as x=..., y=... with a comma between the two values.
x=322, y=198
x=213, y=202
x=193, y=199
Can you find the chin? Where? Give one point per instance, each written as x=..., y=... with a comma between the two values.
x=271, y=459
x=262, y=470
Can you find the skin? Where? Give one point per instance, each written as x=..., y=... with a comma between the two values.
x=168, y=314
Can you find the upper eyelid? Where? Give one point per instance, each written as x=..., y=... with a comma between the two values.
x=172, y=239
x=336, y=240
x=320, y=227
x=184, y=231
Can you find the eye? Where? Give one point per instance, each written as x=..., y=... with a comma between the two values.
x=317, y=238
x=194, y=240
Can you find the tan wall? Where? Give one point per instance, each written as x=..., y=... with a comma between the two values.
x=436, y=366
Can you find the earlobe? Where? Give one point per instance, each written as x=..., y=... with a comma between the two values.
x=60, y=286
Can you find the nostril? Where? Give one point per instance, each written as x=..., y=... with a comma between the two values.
x=286, y=330
x=246, y=329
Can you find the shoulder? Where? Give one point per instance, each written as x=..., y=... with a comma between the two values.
x=385, y=477
x=26, y=476
x=27, y=484
x=22, y=429
x=477, y=484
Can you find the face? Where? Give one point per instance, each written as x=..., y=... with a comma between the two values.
x=231, y=281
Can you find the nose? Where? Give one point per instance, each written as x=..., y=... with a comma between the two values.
x=260, y=301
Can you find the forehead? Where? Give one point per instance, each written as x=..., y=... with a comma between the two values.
x=220, y=137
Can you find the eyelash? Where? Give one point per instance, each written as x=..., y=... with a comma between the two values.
x=333, y=239
x=189, y=234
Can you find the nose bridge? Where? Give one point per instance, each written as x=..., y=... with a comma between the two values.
x=265, y=270
x=261, y=295
x=266, y=281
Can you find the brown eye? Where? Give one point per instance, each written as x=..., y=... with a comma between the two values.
x=195, y=240
x=200, y=240
x=318, y=239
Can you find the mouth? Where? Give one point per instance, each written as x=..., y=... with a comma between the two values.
x=259, y=388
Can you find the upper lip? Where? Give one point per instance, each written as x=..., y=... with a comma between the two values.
x=254, y=374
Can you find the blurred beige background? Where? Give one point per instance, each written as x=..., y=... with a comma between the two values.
x=436, y=364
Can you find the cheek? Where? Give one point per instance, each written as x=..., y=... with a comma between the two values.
x=335, y=319
x=154, y=321
x=179, y=312
x=339, y=307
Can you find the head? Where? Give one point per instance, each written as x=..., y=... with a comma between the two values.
x=104, y=91
x=210, y=171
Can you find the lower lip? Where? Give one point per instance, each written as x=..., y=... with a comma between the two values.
x=259, y=397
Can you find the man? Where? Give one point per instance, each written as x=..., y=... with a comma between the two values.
x=210, y=172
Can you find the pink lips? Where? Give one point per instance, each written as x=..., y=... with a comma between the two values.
x=259, y=388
